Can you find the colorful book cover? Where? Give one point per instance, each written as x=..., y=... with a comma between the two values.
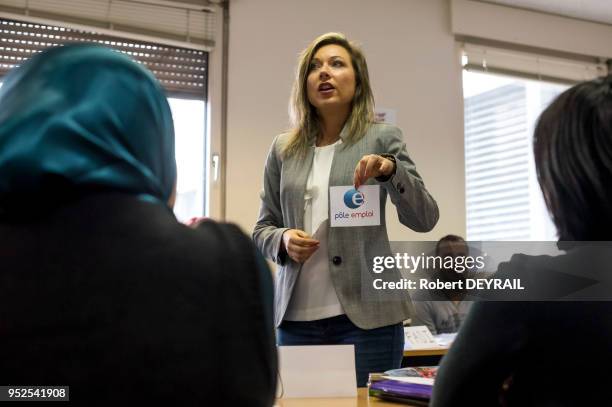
x=414, y=384
x=399, y=389
x=420, y=371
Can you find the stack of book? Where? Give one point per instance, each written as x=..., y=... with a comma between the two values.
x=409, y=385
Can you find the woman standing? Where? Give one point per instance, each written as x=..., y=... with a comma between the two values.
x=335, y=142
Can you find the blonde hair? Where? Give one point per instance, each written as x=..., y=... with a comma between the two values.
x=304, y=118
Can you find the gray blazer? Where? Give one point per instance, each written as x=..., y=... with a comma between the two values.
x=350, y=248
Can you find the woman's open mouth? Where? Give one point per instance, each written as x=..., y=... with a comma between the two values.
x=326, y=89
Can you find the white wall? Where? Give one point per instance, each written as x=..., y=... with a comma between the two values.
x=414, y=68
x=479, y=19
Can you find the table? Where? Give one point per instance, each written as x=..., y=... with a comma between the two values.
x=440, y=351
x=362, y=400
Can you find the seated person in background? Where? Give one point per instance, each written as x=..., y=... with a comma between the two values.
x=101, y=289
x=445, y=314
x=542, y=353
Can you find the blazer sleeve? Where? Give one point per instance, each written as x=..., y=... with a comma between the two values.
x=416, y=208
x=269, y=229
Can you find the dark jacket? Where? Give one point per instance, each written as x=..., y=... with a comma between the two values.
x=111, y=296
x=537, y=353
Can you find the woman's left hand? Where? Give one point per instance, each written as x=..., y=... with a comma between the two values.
x=372, y=165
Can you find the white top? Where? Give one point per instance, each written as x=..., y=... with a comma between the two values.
x=314, y=296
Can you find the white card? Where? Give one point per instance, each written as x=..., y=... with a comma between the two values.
x=419, y=337
x=384, y=115
x=350, y=207
x=317, y=371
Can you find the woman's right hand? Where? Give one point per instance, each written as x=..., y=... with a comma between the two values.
x=299, y=245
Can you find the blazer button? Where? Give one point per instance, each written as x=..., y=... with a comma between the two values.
x=337, y=260
x=401, y=190
x=400, y=186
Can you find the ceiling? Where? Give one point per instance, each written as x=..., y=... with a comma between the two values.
x=591, y=10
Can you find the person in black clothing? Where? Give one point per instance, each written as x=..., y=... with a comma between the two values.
x=546, y=353
x=101, y=289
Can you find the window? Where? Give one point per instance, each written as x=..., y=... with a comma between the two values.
x=182, y=72
x=504, y=91
x=189, y=121
x=504, y=201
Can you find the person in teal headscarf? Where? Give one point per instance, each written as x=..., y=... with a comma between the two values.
x=80, y=118
x=101, y=288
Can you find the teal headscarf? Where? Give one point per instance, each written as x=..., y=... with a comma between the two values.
x=83, y=118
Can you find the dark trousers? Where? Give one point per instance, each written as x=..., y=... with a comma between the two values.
x=376, y=350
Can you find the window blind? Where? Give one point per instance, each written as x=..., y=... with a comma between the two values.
x=191, y=22
x=503, y=199
x=181, y=71
x=528, y=65
x=496, y=152
x=502, y=193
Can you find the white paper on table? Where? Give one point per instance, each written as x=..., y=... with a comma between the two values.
x=317, y=371
x=350, y=207
x=419, y=337
x=445, y=340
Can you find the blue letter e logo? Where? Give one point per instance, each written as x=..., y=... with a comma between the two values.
x=353, y=198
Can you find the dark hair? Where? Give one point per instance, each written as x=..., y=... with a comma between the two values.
x=448, y=238
x=573, y=158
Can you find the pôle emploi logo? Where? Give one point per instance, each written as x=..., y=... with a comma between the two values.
x=353, y=199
